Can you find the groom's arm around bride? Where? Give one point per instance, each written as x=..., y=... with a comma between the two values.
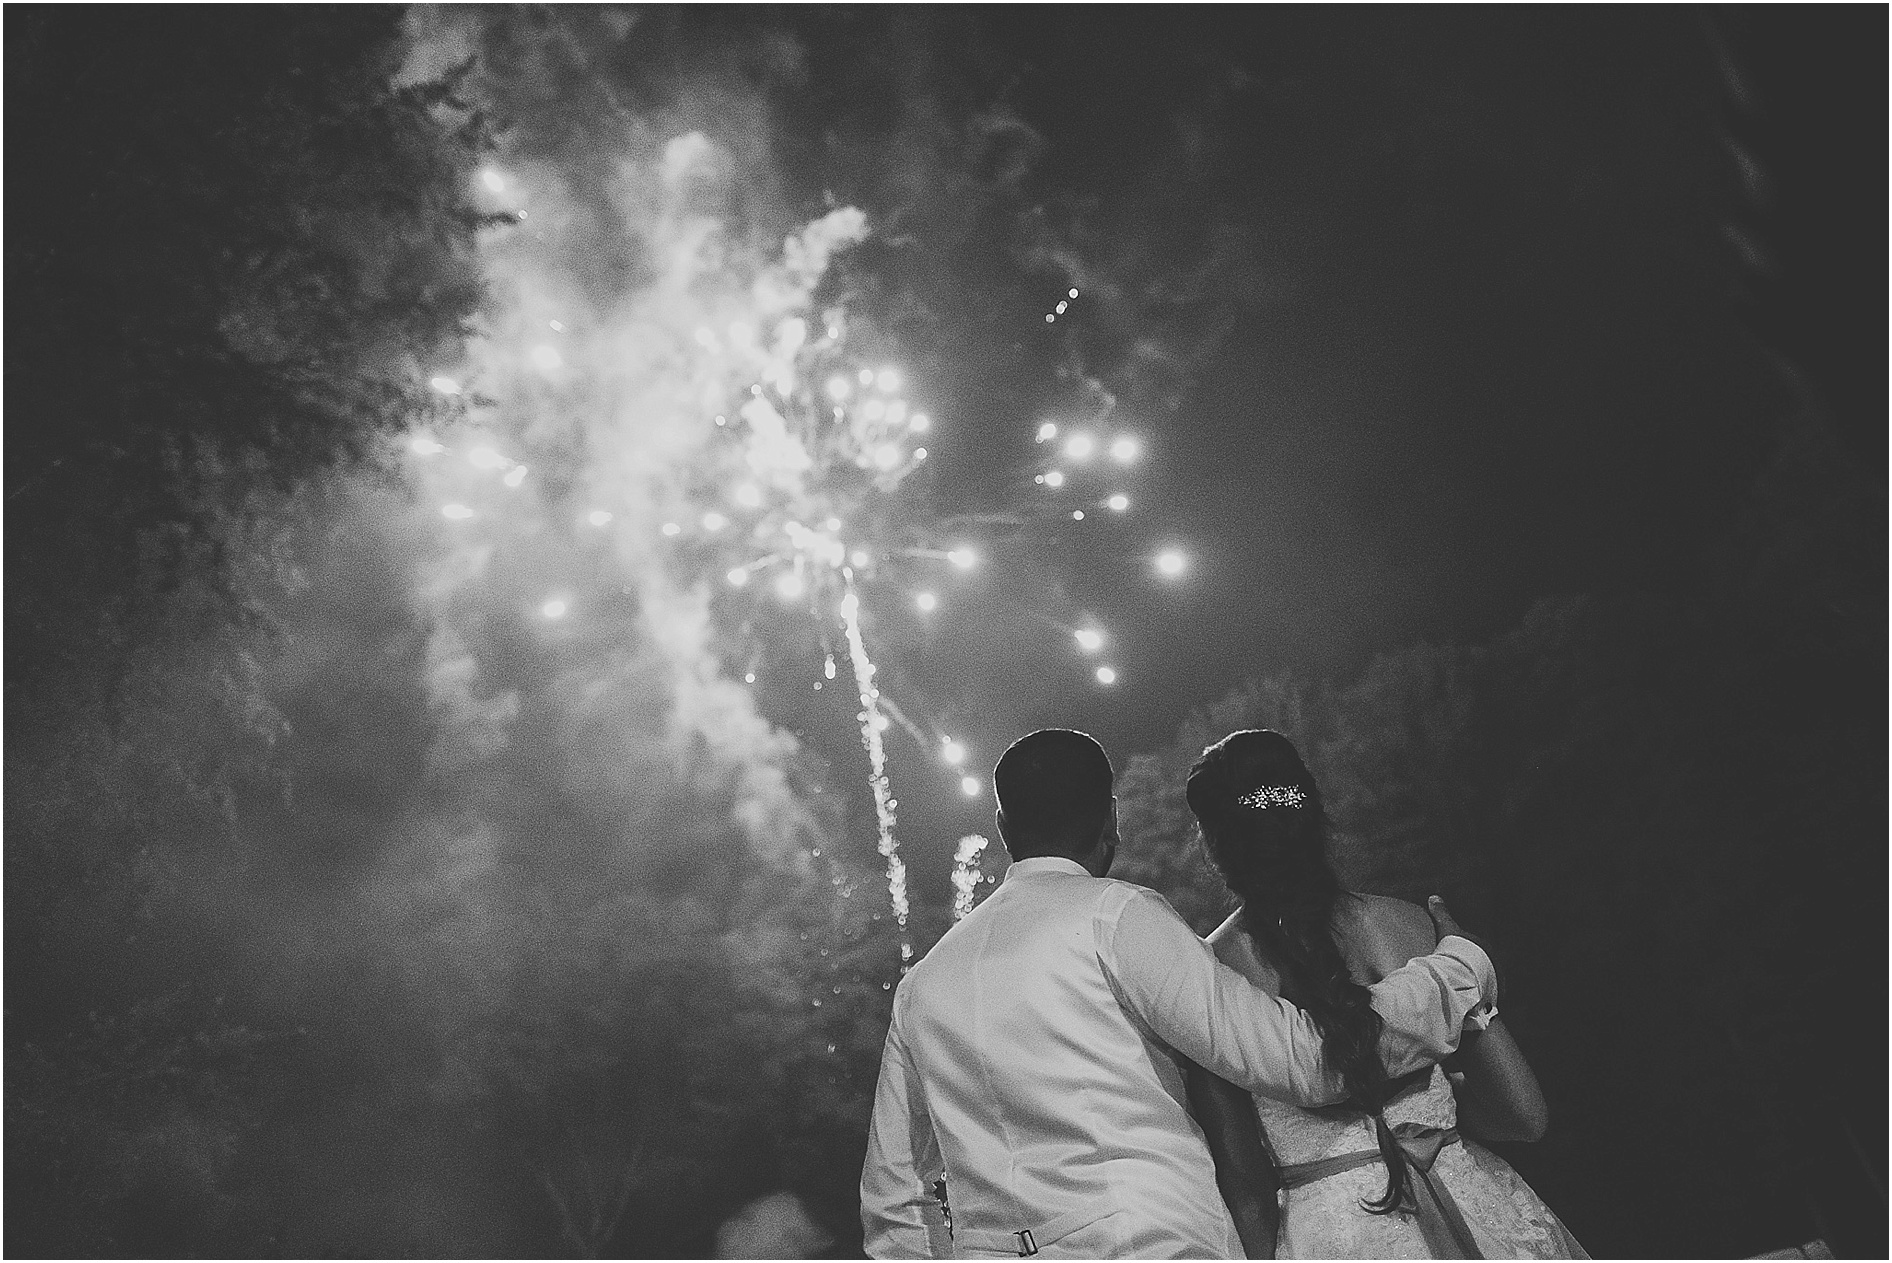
x=1032, y=1055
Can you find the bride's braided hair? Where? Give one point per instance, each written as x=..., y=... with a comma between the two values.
x=1265, y=830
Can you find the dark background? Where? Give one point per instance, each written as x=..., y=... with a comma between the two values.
x=1514, y=378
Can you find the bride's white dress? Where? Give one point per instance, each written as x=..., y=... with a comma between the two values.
x=1325, y=1219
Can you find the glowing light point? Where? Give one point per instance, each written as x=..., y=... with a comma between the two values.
x=749, y=496
x=886, y=456
x=515, y=476
x=962, y=557
x=494, y=181
x=1106, y=675
x=920, y=423
x=1077, y=515
x=880, y=723
x=547, y=357
x=598, y=517
x=1118, y=503
x=838, y=388
x=714, y=521
x=557, y=326
x=1171, y=563
x=859, y=559
x=927, y=602
x=953, y=752
x=1073, y=293
x=1061, y=306
x=969, y=786
x=919, y=453
x=486, y=458
x=1079, y=447
x=424, y=446
x=738, y=578
x=788, y=586
x=445, y=385
x=748, y=677
x=671, y=528
x=1124, y=450
x=887, y=380
x=553, y=608
x=457, y=512
x=866, y=377
x=832, y=524
x=1055, y=478
x=896, y=412
x=875, y=409
x=1047, y=432
x=1089, y=640
x=1050, y=319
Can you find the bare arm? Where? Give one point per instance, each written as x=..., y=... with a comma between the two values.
x=1498, y=1095
x=1244, y=1170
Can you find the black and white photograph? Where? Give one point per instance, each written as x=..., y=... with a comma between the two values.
x=1101, y=631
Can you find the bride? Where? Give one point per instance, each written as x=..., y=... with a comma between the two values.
x=1388, y=1175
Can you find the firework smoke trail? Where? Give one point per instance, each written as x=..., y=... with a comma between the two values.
x=873, y=723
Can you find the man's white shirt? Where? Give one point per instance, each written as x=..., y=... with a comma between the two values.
x=1032, y=1063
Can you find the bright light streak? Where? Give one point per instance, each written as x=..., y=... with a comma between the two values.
x=887, y=455
x=458, y=512
x=953, y=752
x=494, y=181
x=927, y=602
x=424, y=446
x=966, y=874
x=1171, y=563
x=838, y=388
x=749, y=496
x=445, y=385
x=920, y=423
x=1106, y=675
x=964, y=558
x=671, y=528
x=515, y=476
x=1118, y=503
x=1124, y=450
x=888, y=380
x=1078, y=447
x=1047, y=432
x=1055, y=478
x=1089, y=640
x=969, y=786
x=788, y=586
x=554, y=608
x=598, y=517
x=714, y=521
x=547, y=357
x=738, y=578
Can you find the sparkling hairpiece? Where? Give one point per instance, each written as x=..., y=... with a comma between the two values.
x=1265, y=796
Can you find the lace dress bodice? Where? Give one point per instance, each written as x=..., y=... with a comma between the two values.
x=1326, y=1219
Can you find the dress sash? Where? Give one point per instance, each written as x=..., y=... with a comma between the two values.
x=1447, y=1234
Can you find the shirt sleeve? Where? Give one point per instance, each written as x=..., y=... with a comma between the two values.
x=1171, y=980
x=900, y=1217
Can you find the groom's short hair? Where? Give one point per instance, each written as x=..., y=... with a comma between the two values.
x=1054, y=787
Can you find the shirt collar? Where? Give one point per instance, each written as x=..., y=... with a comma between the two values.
x=1046, y=864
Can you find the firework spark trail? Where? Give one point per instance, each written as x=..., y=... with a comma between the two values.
x=873, y=723
x=966, y=873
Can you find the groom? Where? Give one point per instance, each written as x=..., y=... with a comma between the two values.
x=1032, y=1060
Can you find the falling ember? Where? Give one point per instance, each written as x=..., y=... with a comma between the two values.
x=966, y=873
x=1106, y=675
x=1118, y=503
x=445, y=385
x=873, y=722
x=1171, y=563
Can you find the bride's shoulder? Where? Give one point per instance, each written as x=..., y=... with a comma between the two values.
x=1388, y=931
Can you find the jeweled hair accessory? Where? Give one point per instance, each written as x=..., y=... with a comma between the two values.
x=1264, y=796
